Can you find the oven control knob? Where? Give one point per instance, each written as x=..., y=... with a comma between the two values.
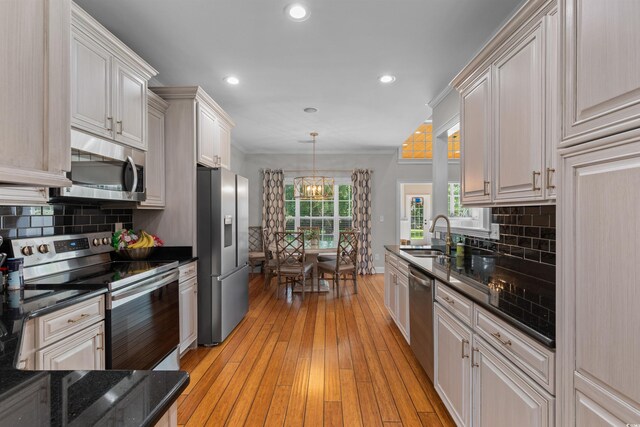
x=43, y=249
x=96, y=242
x=106, y=240
x=27, y=250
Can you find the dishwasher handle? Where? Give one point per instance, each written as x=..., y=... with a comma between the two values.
x=420, y=280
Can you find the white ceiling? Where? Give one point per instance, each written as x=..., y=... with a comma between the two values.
x=331, y=61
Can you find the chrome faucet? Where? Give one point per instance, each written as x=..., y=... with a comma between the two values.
x=447, y=241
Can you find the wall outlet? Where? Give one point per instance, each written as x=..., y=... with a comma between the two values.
x=495, y=231
x=118, y=226
x=376, y=257
x=381, y=218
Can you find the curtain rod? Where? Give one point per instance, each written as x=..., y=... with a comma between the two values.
x=317, y=170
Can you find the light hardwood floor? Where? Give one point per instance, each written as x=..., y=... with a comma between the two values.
x=325, y=361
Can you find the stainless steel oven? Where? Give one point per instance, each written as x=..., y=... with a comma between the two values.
x=103, y=170
x=143, y=322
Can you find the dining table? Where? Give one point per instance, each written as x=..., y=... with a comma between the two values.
x=312, y=252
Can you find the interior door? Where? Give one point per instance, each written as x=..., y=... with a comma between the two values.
x=131, y=106
x=519, y=137
x=90, y=86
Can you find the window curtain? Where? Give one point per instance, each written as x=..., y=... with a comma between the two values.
x=273, y=200
x=361, y=179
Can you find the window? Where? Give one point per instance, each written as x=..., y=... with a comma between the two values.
x=330, y=216
x=466, y=218
x=419, y=145
x=417, y=218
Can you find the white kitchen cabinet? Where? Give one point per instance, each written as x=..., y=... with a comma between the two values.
x=452, y=370
x=188, y=313
x=155, y=166
x=402, y=304
x=396, y=292
x=475, y=140
x=24, y=196
x=170, y=418
x=35, y=103
x=225, y=145
x=502, y=396
x=83, y=350
x=598, y=292
x=188, y=306
x=552, y=102
x=600, y=66
x=208, y=137
x=518, y=90
x=109, y=84
x=130, y=89
x=28, y=404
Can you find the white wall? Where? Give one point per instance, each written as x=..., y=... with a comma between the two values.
x=386, y=173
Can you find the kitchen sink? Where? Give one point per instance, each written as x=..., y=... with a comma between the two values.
x=424, y=253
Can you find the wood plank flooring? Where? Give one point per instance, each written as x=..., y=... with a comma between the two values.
x=325, y=361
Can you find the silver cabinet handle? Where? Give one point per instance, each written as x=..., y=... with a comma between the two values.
x=473, y=357
x=119, y=123
x=449, y=300
x=110, y=125
x=533, y=183
x=497, y=336
x=463, y=343
x=550, y=171
x=82, y=316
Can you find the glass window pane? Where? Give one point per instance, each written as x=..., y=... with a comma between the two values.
x=290, y=224
x=316, y=223
x=290, y=208
x=327, y=209
x=305, y=208
x=305, y=222
x=344, y=192
x=288, y=192
x=316, y=208
x=344, y=209
x=327, y=226
x=345, y=224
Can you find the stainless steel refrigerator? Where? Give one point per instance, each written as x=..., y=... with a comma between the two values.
x=223, y=250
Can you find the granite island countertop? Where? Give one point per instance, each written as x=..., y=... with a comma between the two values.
x=519, y=291
x=83, y=398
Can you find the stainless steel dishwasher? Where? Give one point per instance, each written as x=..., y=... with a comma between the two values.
x=421, y=318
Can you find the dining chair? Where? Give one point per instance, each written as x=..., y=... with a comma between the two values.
x=256, y=249
x=332, y=257
x=269, y=266
x=345, y=261
x=290, y=260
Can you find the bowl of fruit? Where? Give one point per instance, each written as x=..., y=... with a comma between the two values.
x=135, y=245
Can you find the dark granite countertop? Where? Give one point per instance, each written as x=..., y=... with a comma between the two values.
x=518, y=291
x=82, y=398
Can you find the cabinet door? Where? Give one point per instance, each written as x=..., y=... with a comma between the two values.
x=188, y=313
x=90, y=86
x=208, y=137
x=154, y=170
x=598, y=300
x=35, y=110
x=600, y=68
x=504, y=397
x=475, y=140
x=403, y=306
x=27, y=405
x=393, y=299
x=388, y=284
x=518, y=106
x=83, y=350
x=225, y=146
x=130, y=98
x=452, y=370
x=552, y=102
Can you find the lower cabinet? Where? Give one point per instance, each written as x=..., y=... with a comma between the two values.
x=170, y=418
x=479, y=385
x=402, y=304
x=188, y=306
x=83, y=350
x=30, y=406
x=396, y=292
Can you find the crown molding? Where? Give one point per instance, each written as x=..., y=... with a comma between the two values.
x=439, y=97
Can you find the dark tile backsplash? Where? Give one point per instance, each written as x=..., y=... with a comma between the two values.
x=35, y=221
x=525, y=232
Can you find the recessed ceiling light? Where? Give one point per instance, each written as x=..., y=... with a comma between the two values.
x=297, y=12
x=387, y=78
x=311, y=110
x=232, y=80
x=418, y=132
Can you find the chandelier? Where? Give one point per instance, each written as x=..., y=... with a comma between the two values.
x=313, y=187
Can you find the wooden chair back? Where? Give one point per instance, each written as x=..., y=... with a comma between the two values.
x=289, y=249
x=255, y=239
x=347, y=251
x=267, y=241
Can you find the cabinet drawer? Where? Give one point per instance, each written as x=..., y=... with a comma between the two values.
x=83, y=351
x=454, y=302
x=187, y=271
x=403, y=267
x=533, y=358
x=391, y=259
x=62, y=323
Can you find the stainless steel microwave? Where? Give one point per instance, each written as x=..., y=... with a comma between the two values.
x=103, y=170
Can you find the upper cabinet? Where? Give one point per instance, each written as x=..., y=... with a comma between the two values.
x=508, y=93
x=108, y=84
x=213, y=125
x=34, y=106
x=600, y=64
x=155, y=167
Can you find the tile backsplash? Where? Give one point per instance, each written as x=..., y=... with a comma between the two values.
x=35, y=221
x=527, y=232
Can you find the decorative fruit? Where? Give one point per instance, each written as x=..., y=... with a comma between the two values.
x=129, y=239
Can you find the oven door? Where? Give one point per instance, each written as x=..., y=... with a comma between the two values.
x=103, y=170
x=143, y=323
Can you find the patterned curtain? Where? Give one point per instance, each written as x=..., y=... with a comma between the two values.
x=273, y=200
x=361, y=179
